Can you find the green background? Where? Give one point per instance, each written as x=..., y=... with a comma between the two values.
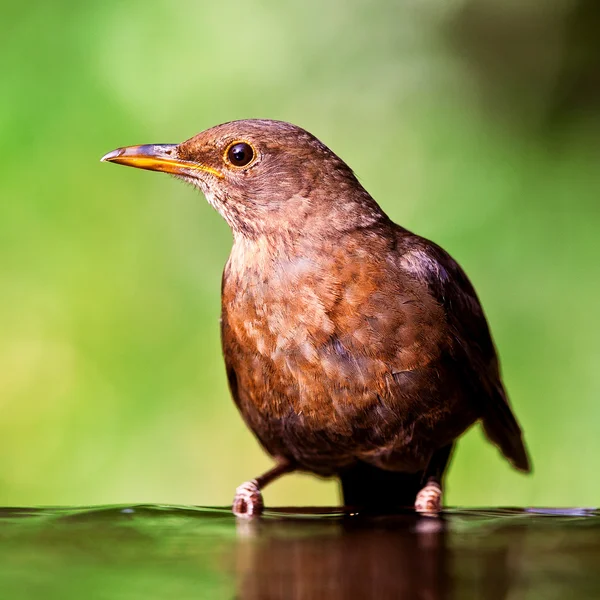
x=474, y=123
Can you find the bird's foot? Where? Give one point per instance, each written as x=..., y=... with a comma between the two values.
x=429, y=499
x=248, y=501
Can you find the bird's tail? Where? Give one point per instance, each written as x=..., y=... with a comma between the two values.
x=501, y=428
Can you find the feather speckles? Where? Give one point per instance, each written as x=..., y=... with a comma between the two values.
x=315, y=338
x=422, y=265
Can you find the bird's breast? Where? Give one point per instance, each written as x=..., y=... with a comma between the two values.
x=315, y=346
x=339, y=317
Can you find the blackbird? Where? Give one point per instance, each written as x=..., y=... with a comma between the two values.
x=353, y=347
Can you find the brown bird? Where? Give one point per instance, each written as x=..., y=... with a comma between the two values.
x=353, y=347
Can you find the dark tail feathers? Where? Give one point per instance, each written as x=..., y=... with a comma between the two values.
x=502, y=429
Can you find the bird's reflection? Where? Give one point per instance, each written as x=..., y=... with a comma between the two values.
x=402, y=557
x=388, y=557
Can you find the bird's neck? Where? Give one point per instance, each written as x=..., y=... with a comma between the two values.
x=305, y=220
x=271, y=254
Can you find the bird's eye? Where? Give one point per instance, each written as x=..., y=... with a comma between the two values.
x=240, y=154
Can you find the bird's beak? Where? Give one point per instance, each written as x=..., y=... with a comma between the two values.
x=157, y=157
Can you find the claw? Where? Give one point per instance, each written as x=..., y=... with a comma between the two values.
x=248, y=501
x=429, y=499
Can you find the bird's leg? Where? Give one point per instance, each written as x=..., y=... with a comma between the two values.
x=429, y=498
x=248, y=500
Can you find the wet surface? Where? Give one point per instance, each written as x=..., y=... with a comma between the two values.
x=135, y=552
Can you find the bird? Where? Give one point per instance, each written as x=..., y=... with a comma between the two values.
x=353, y=348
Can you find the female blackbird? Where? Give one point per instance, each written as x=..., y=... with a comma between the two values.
x=354, y=348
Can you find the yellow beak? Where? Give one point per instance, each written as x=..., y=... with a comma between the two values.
x=157, y=157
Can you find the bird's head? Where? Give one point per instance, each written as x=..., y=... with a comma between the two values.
x=264, y=177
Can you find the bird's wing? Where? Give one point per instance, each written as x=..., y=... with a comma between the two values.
x=473, y=347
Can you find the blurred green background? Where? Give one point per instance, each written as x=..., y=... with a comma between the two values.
x=475, y=123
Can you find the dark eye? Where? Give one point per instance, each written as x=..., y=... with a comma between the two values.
x=240, y=154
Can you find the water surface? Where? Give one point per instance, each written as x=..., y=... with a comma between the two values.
x=135, y=552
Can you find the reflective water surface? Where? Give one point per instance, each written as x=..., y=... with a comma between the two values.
x=135, y=552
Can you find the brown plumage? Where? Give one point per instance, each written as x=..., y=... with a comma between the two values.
x=353, y=347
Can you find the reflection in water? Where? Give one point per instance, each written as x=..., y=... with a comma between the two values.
x=185, y=552
x=404, y=556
